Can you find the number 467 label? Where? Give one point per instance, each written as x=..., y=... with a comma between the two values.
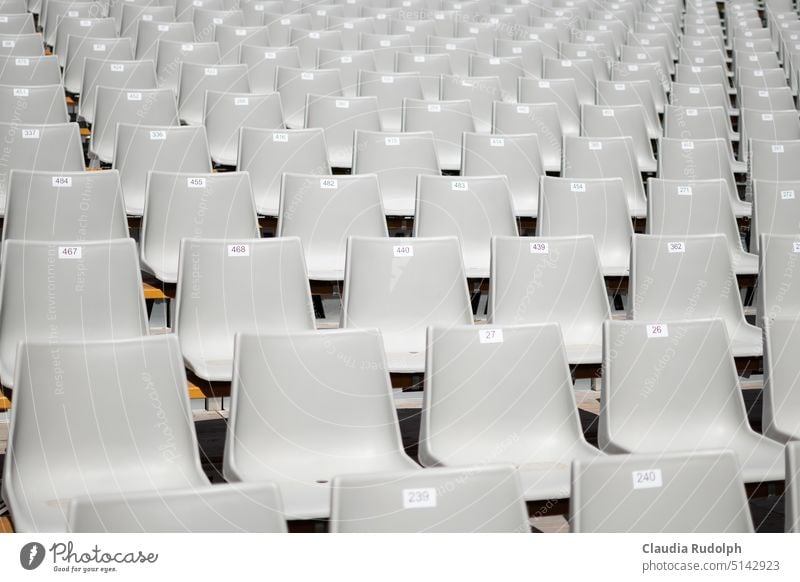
x=70, y=252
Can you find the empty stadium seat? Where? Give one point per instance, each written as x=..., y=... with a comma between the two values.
x=195, y=79
x=103, y=72
x=40, y=104
x=537, y=118
x=108, y=49
x=448, y=120
x=793, y=487
x=340, y=117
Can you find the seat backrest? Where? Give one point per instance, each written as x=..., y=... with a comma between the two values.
x=140, y=107
x=778, y=293
x=430, y=67
x=537, y=118
x=262, y=62
x=68, y=206
x=597, y=207
x=21, y=45
x=42, y=104
x=638, y=93
x=54, y=147
x=792, y=487
x=323, y=211
x=310, y=41
x=293, y=399
x=234, y=508
x=196, y=79
x=170, y=54
x=339, y=117
x=280, y=25
x=490, y=501
x=507, y=69
x=516, y=156
x=774, y=160
x=481, y=92
x=237, y=285
x=89, y=290
x=472, y=209
x=646, y=411
x=485, y=383
x=133, y=14
x=385, y=47
x=268, y=153
x=225, y=113
x=403, y=288
x=653, y=73
x=696, y=159
x=103, y=72
x=29, y=71
x=295, y=84
x=776, y=209
x=180, y=205
x=231, y=38
x=349, y=63
x=562, y=92
x=580, y=70
x=448, y=120
x=766, y=125
x=140, y=149
x=60, y=445
x=621, y=121
x=781, y=373
x=763, y=99
x=638, y=493
x=206, y=19
x=459, y=49
x=561, y=282
x=684, y=277
x=700, y=95
x=80, y=28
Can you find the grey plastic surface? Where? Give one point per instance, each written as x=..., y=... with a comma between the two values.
x=620, y=121
x=339, y=117
x=792, y=495
x=102, y=71
x=781, y=396
x=537, y=118
x=295, y=84
x=112, y=49
x=195, y=79
x=448, y=120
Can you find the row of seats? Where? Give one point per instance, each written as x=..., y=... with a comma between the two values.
x=304, y=404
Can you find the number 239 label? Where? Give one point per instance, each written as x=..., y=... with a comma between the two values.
x=419, y=498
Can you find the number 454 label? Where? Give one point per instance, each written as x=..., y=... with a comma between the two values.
x=419, y=498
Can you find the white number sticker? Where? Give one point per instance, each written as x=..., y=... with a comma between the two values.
x=342, y=104
x=270, y=56
x=608, y=113
x=434, y=108
x=134, y=96
x=796, y=247
x=238, y=250
x=577, y=187
x=22, y=62
x=116, y=67
x=459, y=185
x=187, y=48
x=647, y=479
x=241, y=32
x=787, y=194
x=491, y=336
x=211, y=71
x=387, y=80
x=307, y=76
x=21, y=92
x=595, y=145
x=241, y=101
x=766, y=117
x=540, y=248
x=497, y=142
x=544, y=84
x=657, y=330
x=158, y=135
x=523, y=109
x=99, y=47
x=777, y=148
x=403, y=251
x=62, y=182
x=70, y=252
x=280, y=137
x=163, y=27
x=392, y=141
x=684, y=190
x=419, y=498
x=687, y=145
x=676, y=247
x=328, y=184
x=196, y=182
x=29, y=133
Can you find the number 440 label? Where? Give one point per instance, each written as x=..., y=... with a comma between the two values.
x=419, y=498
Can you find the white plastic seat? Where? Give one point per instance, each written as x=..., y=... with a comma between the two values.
x=180, y=205
x=792, y=495
x=767, y=126
x=561, y=282
x=231, y=38
x=402, y=287
x=206, y=19
x=701, y=95
x=541, y=119
x=597, y=207
x=262, y=62
x=40, y=104
x=235, y=286
x=171, y=54
x=579, y=70
x=690, y=123
x=60, y=446
x=323, y=211
x=132, y=14
x=485, y=383
x=459, y=49
x=349, y=63
x=448, y=120
x=774, y=160
x=677, y=278
x=109, y=49
x=515, y=156
x=385, y=46
x=562, y=92
x=640, y=493
x=685, y=207
x=390, y=89
x=16, y=22
x=195, y=79
x=620, y=121
x=47, y=205
x=300, y=416
x=647, y=412
x=352, y=27
x=21, y=45
x=340, y=117
x=294, y=85
x=29, y=71
x=700, y=159
x=507, y=69
x=252, y=508
x=489, y=500
x=89, y=290
x=140, y=149
x=225, y=113
x=781, y=373
x=184, y=9
x=80, y=29
x=310, y=41
x=762, y=99
x=103, y=72
x=279, y=26
x=429, y=67
x=268, y=153
x=54, y=147
x=776, y=210
x=610, y=157
x=653, y=73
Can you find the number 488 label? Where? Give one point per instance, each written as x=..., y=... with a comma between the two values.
x=419, y=498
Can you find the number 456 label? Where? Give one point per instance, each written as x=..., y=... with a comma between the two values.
x=419, y=498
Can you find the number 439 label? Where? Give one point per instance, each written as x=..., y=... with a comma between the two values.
x=419, y=498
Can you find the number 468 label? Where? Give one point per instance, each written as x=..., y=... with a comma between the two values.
x=419, y=498
x=238, y=250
